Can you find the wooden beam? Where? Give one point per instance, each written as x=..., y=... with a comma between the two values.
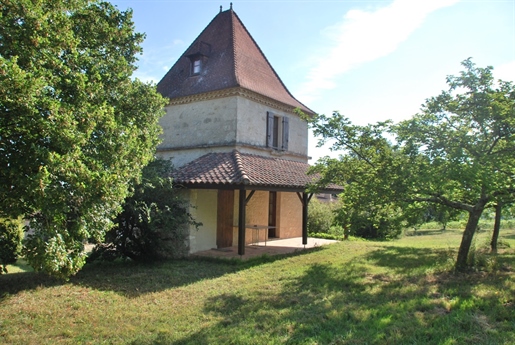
x=305, y=201
x=300, y=198
x=241, y=222
x=249, y=197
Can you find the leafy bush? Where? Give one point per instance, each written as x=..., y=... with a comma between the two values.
x=320, y=216
x=373, y=222
x=11, y=235
x=154, y=222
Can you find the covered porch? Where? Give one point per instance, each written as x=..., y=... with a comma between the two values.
x=243, y=193
x=272, y=247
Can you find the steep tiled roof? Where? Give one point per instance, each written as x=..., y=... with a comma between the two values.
x=232, y=59
x=235, y=168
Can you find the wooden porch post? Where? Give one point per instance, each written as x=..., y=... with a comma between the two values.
x=241, y=222
x=306, y=198
x=305, y=202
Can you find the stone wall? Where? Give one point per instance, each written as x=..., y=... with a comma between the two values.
x=193, y=129
x=251, y=130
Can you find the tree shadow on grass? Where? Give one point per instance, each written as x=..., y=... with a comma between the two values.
x=132, y=279
x=349, y=304
x=403, y=260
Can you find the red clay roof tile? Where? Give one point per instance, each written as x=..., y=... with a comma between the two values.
x=235, y=168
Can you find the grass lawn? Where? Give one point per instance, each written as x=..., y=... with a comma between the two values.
x=398, y=292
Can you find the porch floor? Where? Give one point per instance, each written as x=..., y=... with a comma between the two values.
x=273, y=247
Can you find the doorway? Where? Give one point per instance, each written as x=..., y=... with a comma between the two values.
x=272, y=215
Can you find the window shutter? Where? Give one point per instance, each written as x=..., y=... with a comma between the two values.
x=286, y=134
x=269, y=129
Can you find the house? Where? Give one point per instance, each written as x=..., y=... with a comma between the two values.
x=239, y=149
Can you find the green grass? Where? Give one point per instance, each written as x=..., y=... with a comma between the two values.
x=356, y=292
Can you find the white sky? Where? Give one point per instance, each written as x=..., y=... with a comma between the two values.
x=370, y=60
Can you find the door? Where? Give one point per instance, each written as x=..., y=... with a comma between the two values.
x=224, y=218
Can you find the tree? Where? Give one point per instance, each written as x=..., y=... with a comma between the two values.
x=368, y=206
x=154, y=221
x=459, y=151
x=500, y=206
x=467, y=138
x=11, y=234
x=74, y=128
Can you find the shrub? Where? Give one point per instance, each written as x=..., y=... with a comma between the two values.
x=320, y=216
x=373, y=222
x=154, y=222
x=11, y=235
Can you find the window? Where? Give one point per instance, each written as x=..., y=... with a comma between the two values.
x=277, y=131
x=196, y=66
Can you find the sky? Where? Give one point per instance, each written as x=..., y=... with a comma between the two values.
x=369, y=60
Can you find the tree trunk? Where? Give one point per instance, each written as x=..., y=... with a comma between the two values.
x=466, y=240
x=497, y=226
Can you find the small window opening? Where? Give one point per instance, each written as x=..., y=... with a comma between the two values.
x=275, y=138
x=196, y=66
x=277, y=132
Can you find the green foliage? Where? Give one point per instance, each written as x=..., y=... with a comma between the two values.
x=457, y=153
x=368, y=208
x=154, y=222
x=11, y=235
x=75, y=128
x=320, y=216
x=462, y=144
x=367, y=219
x=419, y=213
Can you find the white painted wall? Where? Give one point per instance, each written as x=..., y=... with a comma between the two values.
x=205, y=201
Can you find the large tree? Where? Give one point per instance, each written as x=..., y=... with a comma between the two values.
x=74, y=127
x=459, y=151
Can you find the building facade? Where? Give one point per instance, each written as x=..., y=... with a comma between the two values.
x=234, y=134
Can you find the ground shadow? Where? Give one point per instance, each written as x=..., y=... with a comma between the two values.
x=133, y=279
x=351, y=305
x=405, y=259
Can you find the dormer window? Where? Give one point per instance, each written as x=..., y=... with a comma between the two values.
x=197, y=61
x=196, y=65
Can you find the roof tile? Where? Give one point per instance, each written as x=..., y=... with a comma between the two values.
x=233, y=59
x=235, y=168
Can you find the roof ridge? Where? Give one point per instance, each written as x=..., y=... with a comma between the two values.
x=233, y=45
x=239, y=165
x=263, y=55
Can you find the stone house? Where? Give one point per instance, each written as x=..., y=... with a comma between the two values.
x=239, y=149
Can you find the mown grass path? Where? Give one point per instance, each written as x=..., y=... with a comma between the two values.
x=399, y=292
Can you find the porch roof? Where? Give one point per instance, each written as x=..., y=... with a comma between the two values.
x=236, y=170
